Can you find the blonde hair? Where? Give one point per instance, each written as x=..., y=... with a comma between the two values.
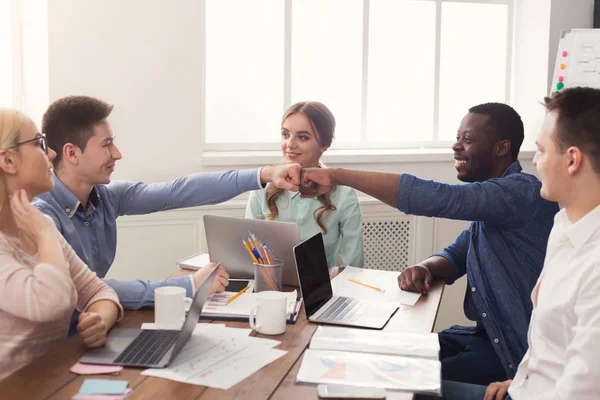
x=323, y=123
x=11, y=123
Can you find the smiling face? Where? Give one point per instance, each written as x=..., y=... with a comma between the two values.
x=98, y=160
x=300, y=143
x=32, y=165
x=473, y=149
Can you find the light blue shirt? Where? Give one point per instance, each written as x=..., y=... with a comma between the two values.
x=344, y=238
x=93, y=233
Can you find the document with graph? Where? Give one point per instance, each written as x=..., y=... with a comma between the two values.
x=372, y=285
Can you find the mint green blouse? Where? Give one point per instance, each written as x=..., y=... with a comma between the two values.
x=344, y=238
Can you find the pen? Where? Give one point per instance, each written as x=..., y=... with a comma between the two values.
x=364, y=284
x=250, y=251
x=238, y=294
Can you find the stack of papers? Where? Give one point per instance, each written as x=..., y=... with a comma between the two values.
x=219, y=357
x=239, y=309
x=103, y=389
x=194, y=262
x=407, y=362
x=387, y=281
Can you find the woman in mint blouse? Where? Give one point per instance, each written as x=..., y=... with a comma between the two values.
x=306, y=133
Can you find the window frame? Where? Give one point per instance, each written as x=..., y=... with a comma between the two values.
x=363, y=144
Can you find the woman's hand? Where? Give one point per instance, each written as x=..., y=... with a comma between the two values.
x=30, y=221
x=92, y=329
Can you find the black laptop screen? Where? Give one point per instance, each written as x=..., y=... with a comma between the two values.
x=313, y=273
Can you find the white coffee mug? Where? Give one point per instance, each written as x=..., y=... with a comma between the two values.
x=268, y=315
x=170, y=305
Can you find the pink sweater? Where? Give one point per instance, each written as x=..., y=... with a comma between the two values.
x=37, y=301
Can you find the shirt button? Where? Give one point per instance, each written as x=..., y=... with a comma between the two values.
x=484, y=315
x=94, y=252
x=473, y=289
x=86, y=223
x=510, y=366
x=67, y=209
x=496, y=340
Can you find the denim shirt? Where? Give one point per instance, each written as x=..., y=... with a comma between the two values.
x=93, y=233
x=502, y=252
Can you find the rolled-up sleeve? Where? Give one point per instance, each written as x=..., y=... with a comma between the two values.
x=456, y=253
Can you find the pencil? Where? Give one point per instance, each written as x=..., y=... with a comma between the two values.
x=238, y=294
x=250, y=251
x=364, y=284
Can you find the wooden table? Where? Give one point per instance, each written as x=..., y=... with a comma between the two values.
x=49, y=377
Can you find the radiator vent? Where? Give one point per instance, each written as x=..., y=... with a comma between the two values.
x=386, y=244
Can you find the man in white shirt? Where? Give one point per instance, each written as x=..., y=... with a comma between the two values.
x=563, y=360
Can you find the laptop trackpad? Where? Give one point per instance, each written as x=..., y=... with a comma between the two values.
x=117, y=341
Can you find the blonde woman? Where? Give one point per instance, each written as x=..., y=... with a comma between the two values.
x=307, y=130
x=41, y=278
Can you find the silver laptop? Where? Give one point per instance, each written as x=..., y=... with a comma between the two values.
x=320, y=304
x=224, y=240
x=150, y=348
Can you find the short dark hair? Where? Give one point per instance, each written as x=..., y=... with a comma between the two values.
x=578, y=122
x=504, y=123
x=71, y=120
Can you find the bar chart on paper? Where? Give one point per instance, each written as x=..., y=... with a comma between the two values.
x=577, y=60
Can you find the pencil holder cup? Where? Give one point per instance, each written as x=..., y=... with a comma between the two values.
x=268, y=276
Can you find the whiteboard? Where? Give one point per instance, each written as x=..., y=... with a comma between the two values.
x=577, y=59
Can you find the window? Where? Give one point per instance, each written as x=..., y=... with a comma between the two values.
x=24, y=46
x=395, y=73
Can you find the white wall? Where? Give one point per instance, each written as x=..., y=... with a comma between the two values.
x=145, y=56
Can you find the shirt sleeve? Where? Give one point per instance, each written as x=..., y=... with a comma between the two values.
x=89, y=287
x=579, y=379
x=198, y=189
x=253, y=208
x=351, y=231
x=136, y=294
x=456, y=253
x=503, y=201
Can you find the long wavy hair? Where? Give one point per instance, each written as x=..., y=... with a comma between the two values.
x=323, y=123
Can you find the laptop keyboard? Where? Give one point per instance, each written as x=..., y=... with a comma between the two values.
x=342, y=309
x=148, y=348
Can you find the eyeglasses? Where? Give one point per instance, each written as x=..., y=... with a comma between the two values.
x=42, y=139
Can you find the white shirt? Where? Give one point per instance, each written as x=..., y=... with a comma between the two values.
x=563, y=360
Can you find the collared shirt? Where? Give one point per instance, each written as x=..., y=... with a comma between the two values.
x=502, y=252
x=93, y=233
x=564, y=335
x=344, y=225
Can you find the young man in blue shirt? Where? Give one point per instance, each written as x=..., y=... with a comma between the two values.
x=502, y=252
x=85, y=204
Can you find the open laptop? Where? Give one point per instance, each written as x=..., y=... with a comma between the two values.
x=150, y=348
x=224, y=240
x=320, y=304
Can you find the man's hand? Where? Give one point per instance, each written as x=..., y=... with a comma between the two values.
x=415, y=279
x=221, y=280
x=315, y=181
x=497, y=390
x=285, y=176
x=92, y=329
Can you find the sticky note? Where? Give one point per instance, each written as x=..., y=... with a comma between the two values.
x=103, y=386
x=102, y=396
x=91, y=369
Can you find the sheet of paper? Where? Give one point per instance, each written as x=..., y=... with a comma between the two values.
x=194, y=262
x=372, y=370
x=386, y=280
x=425, y=345
x=219, y=360
x=103, y=386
